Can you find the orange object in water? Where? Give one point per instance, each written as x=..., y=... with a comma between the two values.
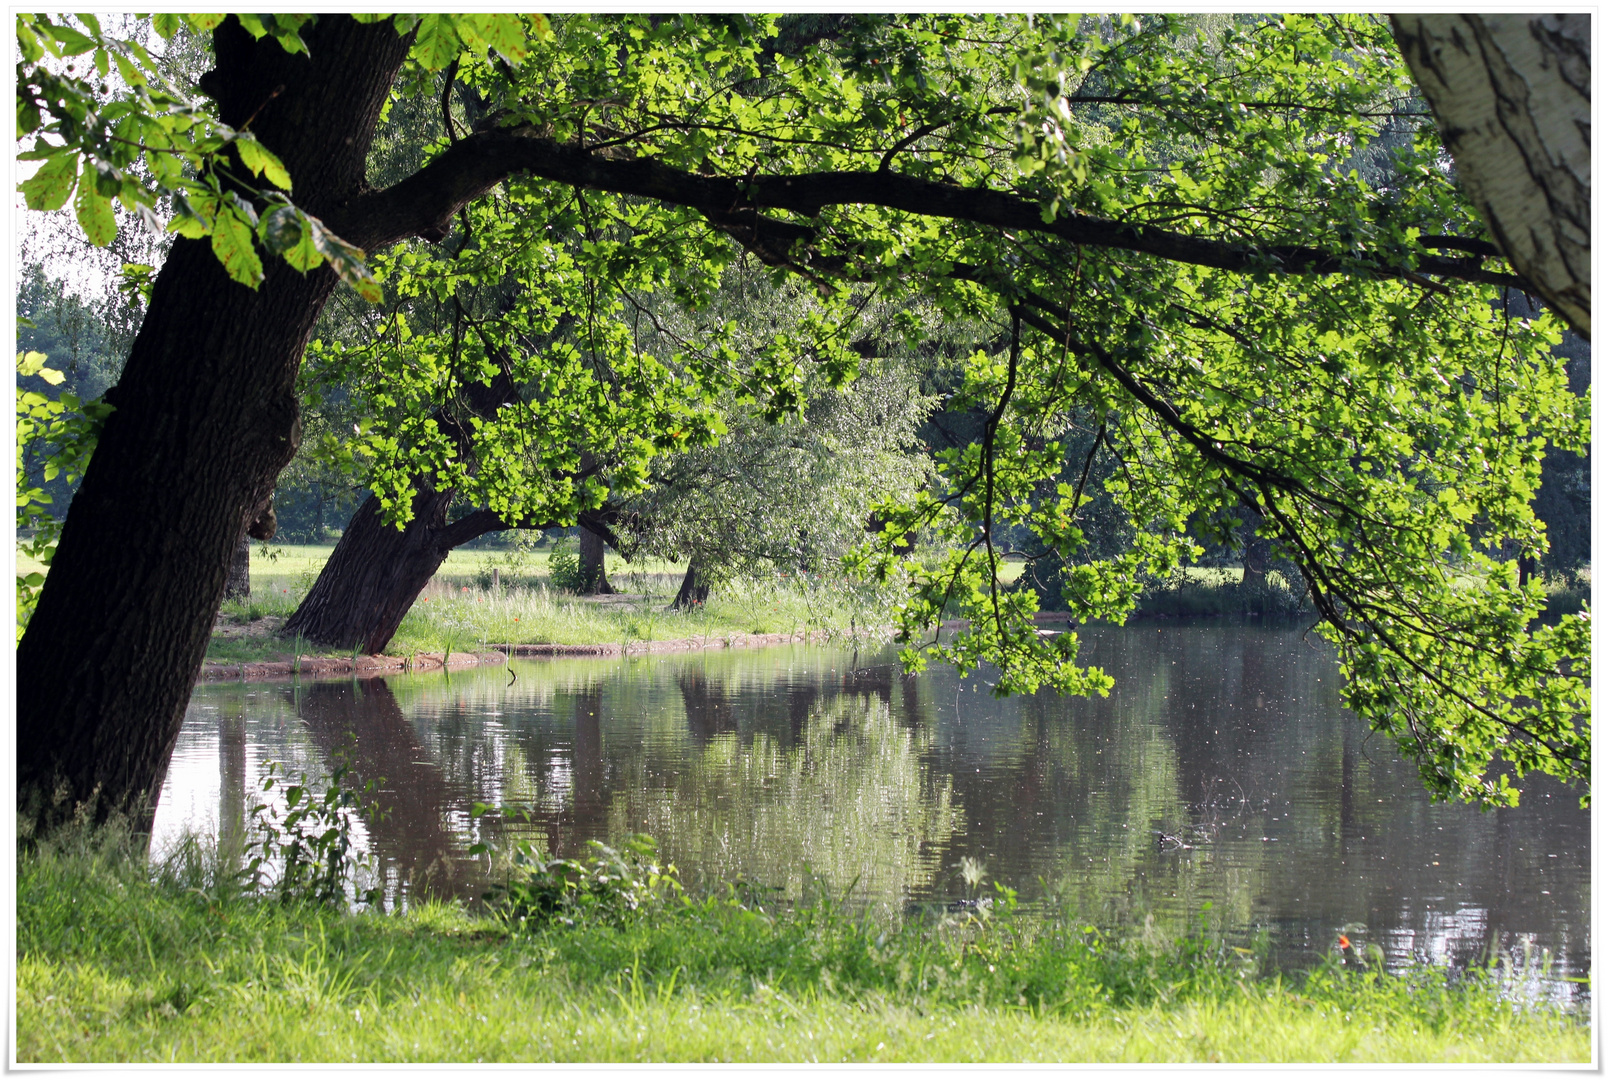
x=1345, y=942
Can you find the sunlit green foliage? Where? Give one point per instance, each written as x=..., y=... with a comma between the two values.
x=1220, y=242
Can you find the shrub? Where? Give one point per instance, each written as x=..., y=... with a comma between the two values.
x=610, y=886
x=564, y=565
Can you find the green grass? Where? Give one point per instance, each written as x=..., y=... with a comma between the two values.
x=459, y=611
x=120, y=960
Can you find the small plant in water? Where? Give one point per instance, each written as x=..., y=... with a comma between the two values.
x=305, y=852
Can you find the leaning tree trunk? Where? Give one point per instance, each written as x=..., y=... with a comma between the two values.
x=1512, y=97
x=376, y=572
x=594, y=574
x=206, y=417
x=373, y=576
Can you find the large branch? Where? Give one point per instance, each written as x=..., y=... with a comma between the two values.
x=424, y=203
x=478, y=523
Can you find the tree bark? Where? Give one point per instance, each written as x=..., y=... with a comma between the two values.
x=1255, y=551
x=594, y=574
x=1512, y=97
x=238, y=587
x=376, y=572
x=374, y=575
x=693, y=591
x=206, y=417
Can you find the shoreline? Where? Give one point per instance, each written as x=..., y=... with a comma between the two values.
x=253, y=670
x=256, y=670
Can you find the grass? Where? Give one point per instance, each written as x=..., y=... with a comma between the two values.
x=122, y=959
x=460, y=610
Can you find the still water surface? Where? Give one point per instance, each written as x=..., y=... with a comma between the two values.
x=1221, y=769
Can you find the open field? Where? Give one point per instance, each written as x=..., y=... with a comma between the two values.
x=460, y=610
x=122, y=961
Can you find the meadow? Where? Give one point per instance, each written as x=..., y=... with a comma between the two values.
x=464, y=608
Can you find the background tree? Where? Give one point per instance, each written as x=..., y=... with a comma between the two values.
x=790, y=497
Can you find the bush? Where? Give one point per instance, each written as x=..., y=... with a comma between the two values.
x=609, y=886
x=564, y=565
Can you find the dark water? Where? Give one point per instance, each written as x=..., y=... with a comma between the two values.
x=1221, y=770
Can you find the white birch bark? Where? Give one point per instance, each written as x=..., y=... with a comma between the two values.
x=1512, y=97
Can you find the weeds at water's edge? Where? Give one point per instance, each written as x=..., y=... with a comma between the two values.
x=124, y=957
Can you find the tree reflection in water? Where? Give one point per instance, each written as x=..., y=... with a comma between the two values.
x=1220, y=769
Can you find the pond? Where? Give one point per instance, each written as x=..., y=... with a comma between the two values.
x=1221, y=771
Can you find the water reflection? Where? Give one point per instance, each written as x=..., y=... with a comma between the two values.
x=1221, y=769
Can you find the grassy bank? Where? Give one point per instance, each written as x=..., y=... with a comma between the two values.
x=122, y=961
x=462, y=610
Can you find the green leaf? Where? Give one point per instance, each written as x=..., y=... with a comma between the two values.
x=259, y=159
x=437, y=43
x=73, y=43
x=28, y=41
x=205, y=23
x=94, y=210
x=187, y=226
x=506, y=34
x=347, y=259
x=165, y=23
x=232, y=244
x=286, y=232
x=50, y=187
x=253, y=25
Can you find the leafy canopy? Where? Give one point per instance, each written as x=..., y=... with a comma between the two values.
x=1219, y=245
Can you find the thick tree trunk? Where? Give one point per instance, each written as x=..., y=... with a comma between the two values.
x=376, y=572
x=594, y=573
x=693, y=592
x=1512, y=97
x=373, y=576
x=238, y=587
x=205, y=419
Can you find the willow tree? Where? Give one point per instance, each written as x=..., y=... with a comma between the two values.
x=1235, y=241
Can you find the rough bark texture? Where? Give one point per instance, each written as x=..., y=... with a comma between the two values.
x=693, y=592
x=206, y=417
x=376, y=572
x=373, y=576
x=594, y=573
x=238, y=587
x=1512, y=97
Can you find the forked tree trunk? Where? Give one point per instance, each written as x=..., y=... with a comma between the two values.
x=206, y=417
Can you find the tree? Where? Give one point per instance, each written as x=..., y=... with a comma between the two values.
x=205, y=417
x=1512, y=96
x=791, y=497
x=1162, y=220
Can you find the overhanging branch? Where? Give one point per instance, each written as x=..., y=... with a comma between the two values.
x=474, y=165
